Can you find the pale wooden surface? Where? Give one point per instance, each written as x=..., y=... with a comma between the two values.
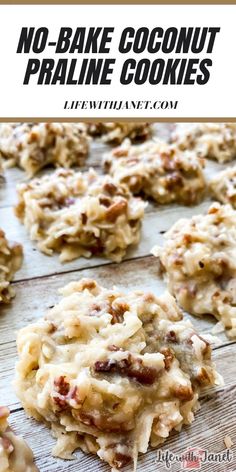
x=36, y=286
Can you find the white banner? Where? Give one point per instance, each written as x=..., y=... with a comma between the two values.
x=117, y=61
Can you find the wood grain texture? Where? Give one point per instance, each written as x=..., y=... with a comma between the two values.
x=36, y=286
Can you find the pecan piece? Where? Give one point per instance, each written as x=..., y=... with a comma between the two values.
x=116, y=210
x=65, y=393
x=84, y=218
x=169, y=357
x=96, y=248
x=88, y=283
x=110, y=188
x=143, y=374
x=60, y=402
x=118, y=311
x=203, y=377
x=105, y=201
x=33, y=136
x=187, y=238
x=95, y=309
x=104, y=366
x=61, y=386
x=170, y=337
x=173, y=181
x=119, y=152
x=183, y=392
x=51, y=326
x=212, y=210
x=129, y=367
x=114, y=348
x=121, y=460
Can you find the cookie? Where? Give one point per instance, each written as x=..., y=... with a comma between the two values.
x=33, y=146
x=199, y=260
x=80, y=214
x=115, y=133
x=223, y=186
x=159, y=171
x=11, y=255
x=112, y=372
x=15, y=454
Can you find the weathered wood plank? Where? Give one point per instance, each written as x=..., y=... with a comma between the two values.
x=212, y=423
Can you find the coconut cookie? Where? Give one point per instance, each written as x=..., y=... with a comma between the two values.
x=15, y=455
x=11, y=255
x=114, y=133
x=80, y=214
x=199, y=258
x=33, y=146
x=111, y=372
x=1, y=171
x=210, y=140
x=223, y=186
x=159, y=171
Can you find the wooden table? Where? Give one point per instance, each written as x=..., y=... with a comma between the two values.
x=36, y=286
